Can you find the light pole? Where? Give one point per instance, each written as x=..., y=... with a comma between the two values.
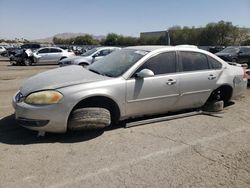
x=167, y=38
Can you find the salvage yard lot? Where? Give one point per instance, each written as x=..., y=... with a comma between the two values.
x=199, y=151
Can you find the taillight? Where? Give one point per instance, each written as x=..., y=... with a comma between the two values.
x=245, y=75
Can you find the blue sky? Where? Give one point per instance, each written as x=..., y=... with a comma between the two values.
x=34, y=19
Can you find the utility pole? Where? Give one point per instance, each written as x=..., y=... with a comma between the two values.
x=167, y=38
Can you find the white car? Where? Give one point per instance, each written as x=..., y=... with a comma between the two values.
x=88, y=57
x=2, y=50
x=51, y=55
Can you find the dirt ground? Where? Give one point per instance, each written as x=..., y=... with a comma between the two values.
x=197, y=151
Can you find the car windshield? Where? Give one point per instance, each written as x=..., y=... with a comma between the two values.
x=117, y=63
x=88, y=53
x=230, y=50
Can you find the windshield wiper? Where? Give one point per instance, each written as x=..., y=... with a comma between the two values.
x=97, y=72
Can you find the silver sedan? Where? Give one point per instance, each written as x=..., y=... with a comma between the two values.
x=88, y=57
x=51, y=55
x=132, y=82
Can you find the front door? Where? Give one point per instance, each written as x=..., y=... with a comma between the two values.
x=156, y=94
x=42, y=56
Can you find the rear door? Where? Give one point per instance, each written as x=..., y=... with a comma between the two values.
x=55, y=55
x=197, y=79
x=157, y=94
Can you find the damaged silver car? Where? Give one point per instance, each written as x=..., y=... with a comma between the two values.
x=131, y=82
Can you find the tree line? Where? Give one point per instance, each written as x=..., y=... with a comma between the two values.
x=221, y=33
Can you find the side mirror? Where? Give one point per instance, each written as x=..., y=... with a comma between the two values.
x=145, y=73
x=95, y=55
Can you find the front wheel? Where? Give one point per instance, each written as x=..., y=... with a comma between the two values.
x=27, y=62
x=89, y=118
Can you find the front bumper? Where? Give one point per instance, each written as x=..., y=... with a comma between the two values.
x=47, y=118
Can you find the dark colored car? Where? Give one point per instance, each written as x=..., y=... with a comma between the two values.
x=31, y=46
x=12, y=50
x=215, y=49
x=240, y=54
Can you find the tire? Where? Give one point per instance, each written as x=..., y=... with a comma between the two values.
x=89, y=118
x=215, y=106
x=13, y=63
x=27, y=62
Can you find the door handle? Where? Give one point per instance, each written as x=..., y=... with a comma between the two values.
x=171, y=82
x=211, y=77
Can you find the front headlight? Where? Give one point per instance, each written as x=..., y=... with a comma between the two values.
x=44, y=97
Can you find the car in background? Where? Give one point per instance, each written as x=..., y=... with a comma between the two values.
x=239, y=54
x=31, y=46
x=215, y=49
x=12, y=50
x=132, y=82
x=50, y=55
x=2, y=50
x=88, y=57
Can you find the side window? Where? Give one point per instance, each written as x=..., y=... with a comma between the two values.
x=245, y=50
x=55, y=50
x=214, y=63
x=193, y=61
x=42, y=51
x=163, y=63
x=104, y=52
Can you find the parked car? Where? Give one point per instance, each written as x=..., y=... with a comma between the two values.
x=50, y=55
x=22, y=57
x=131, y=82
x=215, y=49
x=12, y=50
x=2, y=50
x=31, y=46
x=88, y=57
x=239, y=54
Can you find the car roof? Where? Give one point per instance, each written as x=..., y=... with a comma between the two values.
x=106, y=47
x=51, y=47
x=148, y=48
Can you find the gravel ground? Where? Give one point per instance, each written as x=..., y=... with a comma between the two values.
x=197, y=151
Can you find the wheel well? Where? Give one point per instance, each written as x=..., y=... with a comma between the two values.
x=101, y=101
x=63, y=57
x=83, y=63
x=224, y=93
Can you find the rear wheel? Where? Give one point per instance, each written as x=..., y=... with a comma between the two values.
x=218, y=99
x=89, y=118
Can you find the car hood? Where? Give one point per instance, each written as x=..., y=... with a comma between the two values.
x=60, y=77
